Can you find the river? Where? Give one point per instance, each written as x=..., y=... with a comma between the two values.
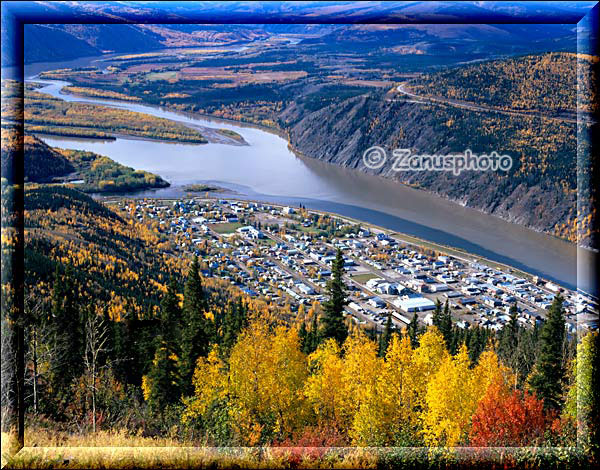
x=267, y=170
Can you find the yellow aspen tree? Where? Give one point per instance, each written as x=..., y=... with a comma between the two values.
x=388, y=415
x=210, y=382
x=361, y=367
x=451, y=400
x=267, y=371
x=427, y=359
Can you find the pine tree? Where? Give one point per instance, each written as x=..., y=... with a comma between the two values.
x=195, y=328
x=236, y=319
x=508, y=346
x=303, y=336
x=333, y=325
x=548, y=372
x=312, y=339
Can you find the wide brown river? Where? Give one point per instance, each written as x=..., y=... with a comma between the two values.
x=267, y=170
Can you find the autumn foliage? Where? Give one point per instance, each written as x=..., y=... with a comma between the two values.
x=508, y=418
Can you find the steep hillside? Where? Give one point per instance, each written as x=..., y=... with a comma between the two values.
x=539, y=191
x=114, y=37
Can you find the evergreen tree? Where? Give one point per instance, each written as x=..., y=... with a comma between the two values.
x=445, y=326
x=333, y=325
x=548, y=373
x=236, y=319
x=312, y=340
x=386, y=337
x=170, y=317
x=437, y=315
x=508, y=345
x=67, y=323
x=510, y=331
x=303, y=336
x=195, y=328
x=163, y=379
x=413, y=331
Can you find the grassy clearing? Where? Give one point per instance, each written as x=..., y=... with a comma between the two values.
x=227, y=227
x=154, y=76
x=363, y=278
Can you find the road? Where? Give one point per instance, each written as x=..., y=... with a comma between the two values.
x=478, y=108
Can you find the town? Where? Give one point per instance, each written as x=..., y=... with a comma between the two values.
x=284, y=254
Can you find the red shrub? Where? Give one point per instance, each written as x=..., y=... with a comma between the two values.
x=505, y=419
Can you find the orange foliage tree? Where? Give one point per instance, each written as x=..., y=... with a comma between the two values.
x=507, y=418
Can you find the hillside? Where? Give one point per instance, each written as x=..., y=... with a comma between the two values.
x=544, y=83
x=43, y=43
x=119, y=263
x=97, y=173
x=539, y=191
x=42, y=163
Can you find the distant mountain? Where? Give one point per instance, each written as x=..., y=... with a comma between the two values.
x=44, y=43
x=486, y=39
x=115, y=37
x=47, y=44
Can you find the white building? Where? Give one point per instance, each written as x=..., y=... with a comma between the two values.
x=414, y=304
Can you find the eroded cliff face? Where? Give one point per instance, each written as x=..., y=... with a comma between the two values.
x=537, y=192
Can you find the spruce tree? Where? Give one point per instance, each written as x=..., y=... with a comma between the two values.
x=386, y=337
x=332, y=323
x=312, y=340
x=548, y=375
x=195, y=328
x=413, y=331
x=446, y=326
x=437, y=318
x=163, y=379
x=303, y=336
x=170, y=317
x=236, y=319
x=67, y=324
x=508, y=346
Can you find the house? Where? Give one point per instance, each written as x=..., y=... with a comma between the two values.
x=552, y=287
x=376, y=302
x=306, y=290
x=438, y=287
